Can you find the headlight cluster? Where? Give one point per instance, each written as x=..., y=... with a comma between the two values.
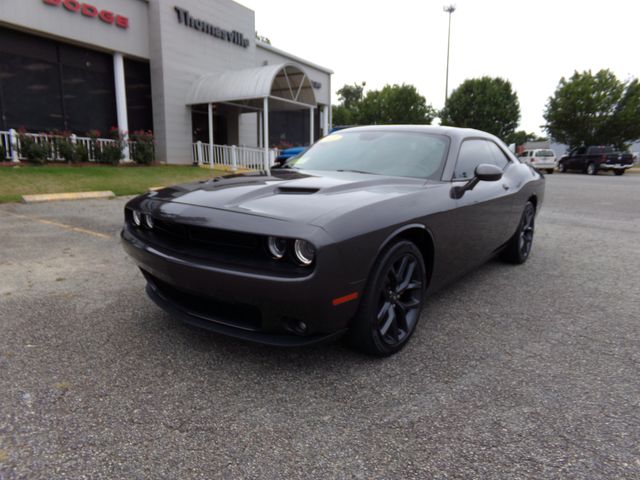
x=140, y=219
x=302, y=251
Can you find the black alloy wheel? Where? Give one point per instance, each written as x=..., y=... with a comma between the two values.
x=391, y=305
x=519, y=247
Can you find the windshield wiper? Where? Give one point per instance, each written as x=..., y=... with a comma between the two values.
x=357, y=171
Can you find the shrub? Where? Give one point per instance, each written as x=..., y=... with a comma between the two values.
x=67, y=150
x=31, y=150
x=81, y=153
x=110, y=153
x=142, y=151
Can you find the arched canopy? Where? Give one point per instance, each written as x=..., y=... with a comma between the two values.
x=285, y=85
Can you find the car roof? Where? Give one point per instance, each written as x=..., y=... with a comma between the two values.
x=454, y=132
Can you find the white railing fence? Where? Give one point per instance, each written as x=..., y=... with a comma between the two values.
x=13, y=151
x=5, y=146
x=232, y=157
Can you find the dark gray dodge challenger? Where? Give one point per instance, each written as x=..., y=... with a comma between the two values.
x=350, y=237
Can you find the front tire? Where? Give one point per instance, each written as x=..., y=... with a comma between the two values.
x=619, y=171
x=550, y=171
x=562, y=168
x=392, y=302
x=592, y=169
x=518, y=249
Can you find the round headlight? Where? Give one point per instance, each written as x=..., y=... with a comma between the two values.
x=277, y=246
x=136, y=217
x=148, y=221
x=304, y=252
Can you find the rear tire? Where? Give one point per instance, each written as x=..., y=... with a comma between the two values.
x=519, y=247
x=592, y=169
x=619, y=171
x=392, y=301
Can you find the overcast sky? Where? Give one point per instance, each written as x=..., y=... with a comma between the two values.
x=532, y=44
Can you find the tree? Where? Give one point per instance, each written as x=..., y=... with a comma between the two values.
x=394, y=104
x=350, y=96
x=594, y=110
x=486, y=103
x=521, y=137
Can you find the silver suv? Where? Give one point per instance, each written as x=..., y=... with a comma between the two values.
x=540, y=159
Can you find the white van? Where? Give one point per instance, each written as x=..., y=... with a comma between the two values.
x=540, y=159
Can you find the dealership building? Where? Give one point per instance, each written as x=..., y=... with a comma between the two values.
x=191, y=71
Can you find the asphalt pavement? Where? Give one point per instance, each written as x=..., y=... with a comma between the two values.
x=526, y=371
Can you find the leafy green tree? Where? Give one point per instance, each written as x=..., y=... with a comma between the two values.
x=350, y=97
x=594, y=110
x=394, y=104
x=485, y=103
x=521, y=137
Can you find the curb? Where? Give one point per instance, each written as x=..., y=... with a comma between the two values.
x=53, y=197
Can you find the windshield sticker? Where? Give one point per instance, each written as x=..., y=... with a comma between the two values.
x=330, y=138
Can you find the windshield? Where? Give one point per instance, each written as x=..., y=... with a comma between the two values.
x=394, y=153
x=544, y=153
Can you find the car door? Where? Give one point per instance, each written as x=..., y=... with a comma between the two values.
x=483, y=215
x=579, y=158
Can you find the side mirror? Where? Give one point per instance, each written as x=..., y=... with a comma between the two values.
x=485, y=172
x=488, y=172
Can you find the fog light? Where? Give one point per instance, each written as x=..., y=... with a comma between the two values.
x=304, y=252
x=277, y=247
x=148, y=221
x=136, y=217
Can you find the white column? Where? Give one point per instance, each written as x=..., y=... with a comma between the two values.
x=265, y=135
x=259, y=130
x=210, y=114
x=121, y=100
x=13, y=146
x=325, y=120
x=310, y=126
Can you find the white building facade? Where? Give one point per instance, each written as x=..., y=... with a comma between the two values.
x=191, y=71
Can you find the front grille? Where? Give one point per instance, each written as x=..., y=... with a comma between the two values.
x=239, y=315
x=246, y=252
x=208, y=236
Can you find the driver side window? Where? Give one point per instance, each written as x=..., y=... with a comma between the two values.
x=472, y=153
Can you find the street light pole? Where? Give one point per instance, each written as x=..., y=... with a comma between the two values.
x=449, y=9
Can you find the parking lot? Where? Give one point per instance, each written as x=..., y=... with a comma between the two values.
x=514, y=372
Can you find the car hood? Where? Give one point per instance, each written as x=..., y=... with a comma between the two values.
x=292, y=195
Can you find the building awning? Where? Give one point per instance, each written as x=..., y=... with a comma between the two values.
x=286, y=86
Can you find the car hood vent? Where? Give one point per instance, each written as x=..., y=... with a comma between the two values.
x=297, y=190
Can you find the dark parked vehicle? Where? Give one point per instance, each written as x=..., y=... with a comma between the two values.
x=287, y=154
x=350, y=238
x=592, y=159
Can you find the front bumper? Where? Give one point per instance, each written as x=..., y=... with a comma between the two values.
x=256, y=307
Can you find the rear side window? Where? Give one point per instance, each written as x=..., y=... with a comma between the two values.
x=599, y=150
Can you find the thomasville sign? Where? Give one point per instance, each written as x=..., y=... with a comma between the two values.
x=90, y=11
x=205, y=27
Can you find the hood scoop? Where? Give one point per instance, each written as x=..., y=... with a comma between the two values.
x=296, y=190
